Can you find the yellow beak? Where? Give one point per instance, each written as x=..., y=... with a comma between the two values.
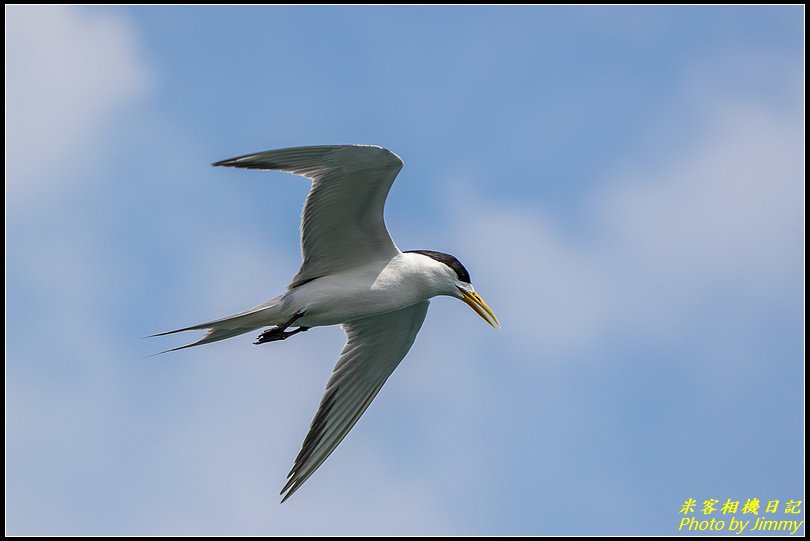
x=481, y=308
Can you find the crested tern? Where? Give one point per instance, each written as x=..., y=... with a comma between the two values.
x=352, y=275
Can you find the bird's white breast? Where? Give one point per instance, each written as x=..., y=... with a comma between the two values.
x=371, y=289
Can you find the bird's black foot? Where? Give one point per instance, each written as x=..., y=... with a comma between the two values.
x=277, y=333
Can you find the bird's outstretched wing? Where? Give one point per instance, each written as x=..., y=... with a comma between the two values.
x=374, y=348
x=342, y=223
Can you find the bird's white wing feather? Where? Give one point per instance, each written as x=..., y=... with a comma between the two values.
x=374, y=348
x=342, y=225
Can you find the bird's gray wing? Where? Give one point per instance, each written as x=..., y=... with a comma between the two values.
x=374, y=348
x=342, y=224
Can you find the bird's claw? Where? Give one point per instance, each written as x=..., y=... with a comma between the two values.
x=277, y=333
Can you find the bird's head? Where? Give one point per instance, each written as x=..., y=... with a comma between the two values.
x=454, y=281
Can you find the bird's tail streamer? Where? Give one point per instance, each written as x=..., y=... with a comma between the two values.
x=228, y=327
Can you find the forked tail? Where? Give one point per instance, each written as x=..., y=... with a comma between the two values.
x=228, y=327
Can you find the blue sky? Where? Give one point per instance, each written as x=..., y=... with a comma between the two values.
x=625, y=186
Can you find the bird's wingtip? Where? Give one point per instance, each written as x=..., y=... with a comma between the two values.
x=293, y=484
x=286, y=493
x=239, y=161
x=249, y=161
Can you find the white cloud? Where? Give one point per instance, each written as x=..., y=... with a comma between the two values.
x=728, y=212
x=717, y=215
x=68, y=71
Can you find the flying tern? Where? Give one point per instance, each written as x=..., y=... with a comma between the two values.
x=352, y=275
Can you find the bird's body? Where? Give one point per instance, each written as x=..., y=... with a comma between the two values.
x=368, y=290
x=353, y=275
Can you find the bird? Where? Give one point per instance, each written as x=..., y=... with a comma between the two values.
x=353, y=275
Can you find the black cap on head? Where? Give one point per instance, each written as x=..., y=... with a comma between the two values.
x=448, y=260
